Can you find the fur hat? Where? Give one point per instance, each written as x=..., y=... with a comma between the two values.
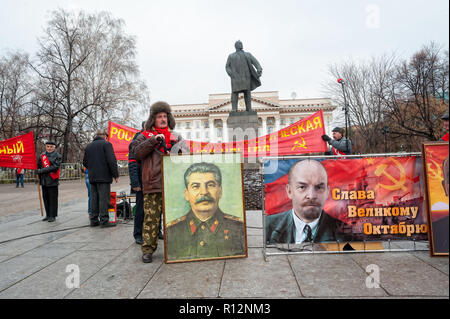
x=160, y=107
x=338, y=129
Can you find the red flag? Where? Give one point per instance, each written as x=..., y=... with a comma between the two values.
x=120, y=136
x=18, y=152
x=302, y=137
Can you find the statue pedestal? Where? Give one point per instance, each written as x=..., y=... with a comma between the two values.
x=243, y=120
x=243, y=126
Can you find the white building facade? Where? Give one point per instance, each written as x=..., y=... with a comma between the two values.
x=207, y=122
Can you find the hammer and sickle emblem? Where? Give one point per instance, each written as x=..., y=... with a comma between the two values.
x=397, y=184
x=299, y=145
x=435, y=173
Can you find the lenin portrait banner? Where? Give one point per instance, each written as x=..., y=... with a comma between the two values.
x=203, y=206
x=352, y=199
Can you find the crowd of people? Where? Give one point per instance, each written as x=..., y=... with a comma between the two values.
x=155, y=138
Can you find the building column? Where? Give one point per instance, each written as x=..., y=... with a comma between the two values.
x=264, y=126
x=211, y=130
x=327, y=124
x=277, y=123
x=225, y=131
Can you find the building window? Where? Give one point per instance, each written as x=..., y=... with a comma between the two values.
x=281, y=121
x=219, y=132
x=270, y=121
x=188, y=125
x=207, y=134
x=197, y=134
x=270, y=129
x=218, y=123
x=197, y=124
x=188, y=136
x=206, y=124
x=291, y=120
x=259, y=122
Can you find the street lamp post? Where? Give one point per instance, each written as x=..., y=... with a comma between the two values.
x=347, y=116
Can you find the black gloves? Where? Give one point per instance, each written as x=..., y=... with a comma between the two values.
x=326, y=138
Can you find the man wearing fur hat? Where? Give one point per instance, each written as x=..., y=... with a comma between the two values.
x=157, y=139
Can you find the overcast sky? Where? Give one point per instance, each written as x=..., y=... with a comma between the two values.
x=183, y=45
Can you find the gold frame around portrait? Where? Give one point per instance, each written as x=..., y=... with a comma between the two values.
x=431, y=239
x=165, y=197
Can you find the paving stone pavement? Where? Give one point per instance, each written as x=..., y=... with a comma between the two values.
x=36, y=259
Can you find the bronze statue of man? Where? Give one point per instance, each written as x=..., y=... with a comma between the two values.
x=244, y=78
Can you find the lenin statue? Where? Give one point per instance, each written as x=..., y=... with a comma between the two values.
x=244, y=78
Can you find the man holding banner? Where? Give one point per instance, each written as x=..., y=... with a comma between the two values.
x=48, y=170
x=340, y=145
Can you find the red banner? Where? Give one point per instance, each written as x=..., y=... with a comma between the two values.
x=120, y=136
x=302, y=137
x=18, y=152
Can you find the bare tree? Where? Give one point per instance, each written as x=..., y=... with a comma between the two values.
x=14, y=94
x=87, y=67
x=418, y=95
x=365, y=86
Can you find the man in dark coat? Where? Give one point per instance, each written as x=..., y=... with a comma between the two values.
x=205, y=231
x=48, y=170
x=101, y=162
x=244, y=78
x=307, y=221
x=135, y=172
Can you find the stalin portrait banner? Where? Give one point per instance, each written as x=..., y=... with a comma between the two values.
x=354, y=199
x=203, y=205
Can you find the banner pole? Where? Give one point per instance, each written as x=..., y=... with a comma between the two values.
x=40, y=197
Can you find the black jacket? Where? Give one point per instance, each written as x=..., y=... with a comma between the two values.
x=134, y=167
x=44, y=172
x=280, y=228
x=100, y=160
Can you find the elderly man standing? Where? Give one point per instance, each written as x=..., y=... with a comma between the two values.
x=48, y=170
x=101, y=162
x=157, y=139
